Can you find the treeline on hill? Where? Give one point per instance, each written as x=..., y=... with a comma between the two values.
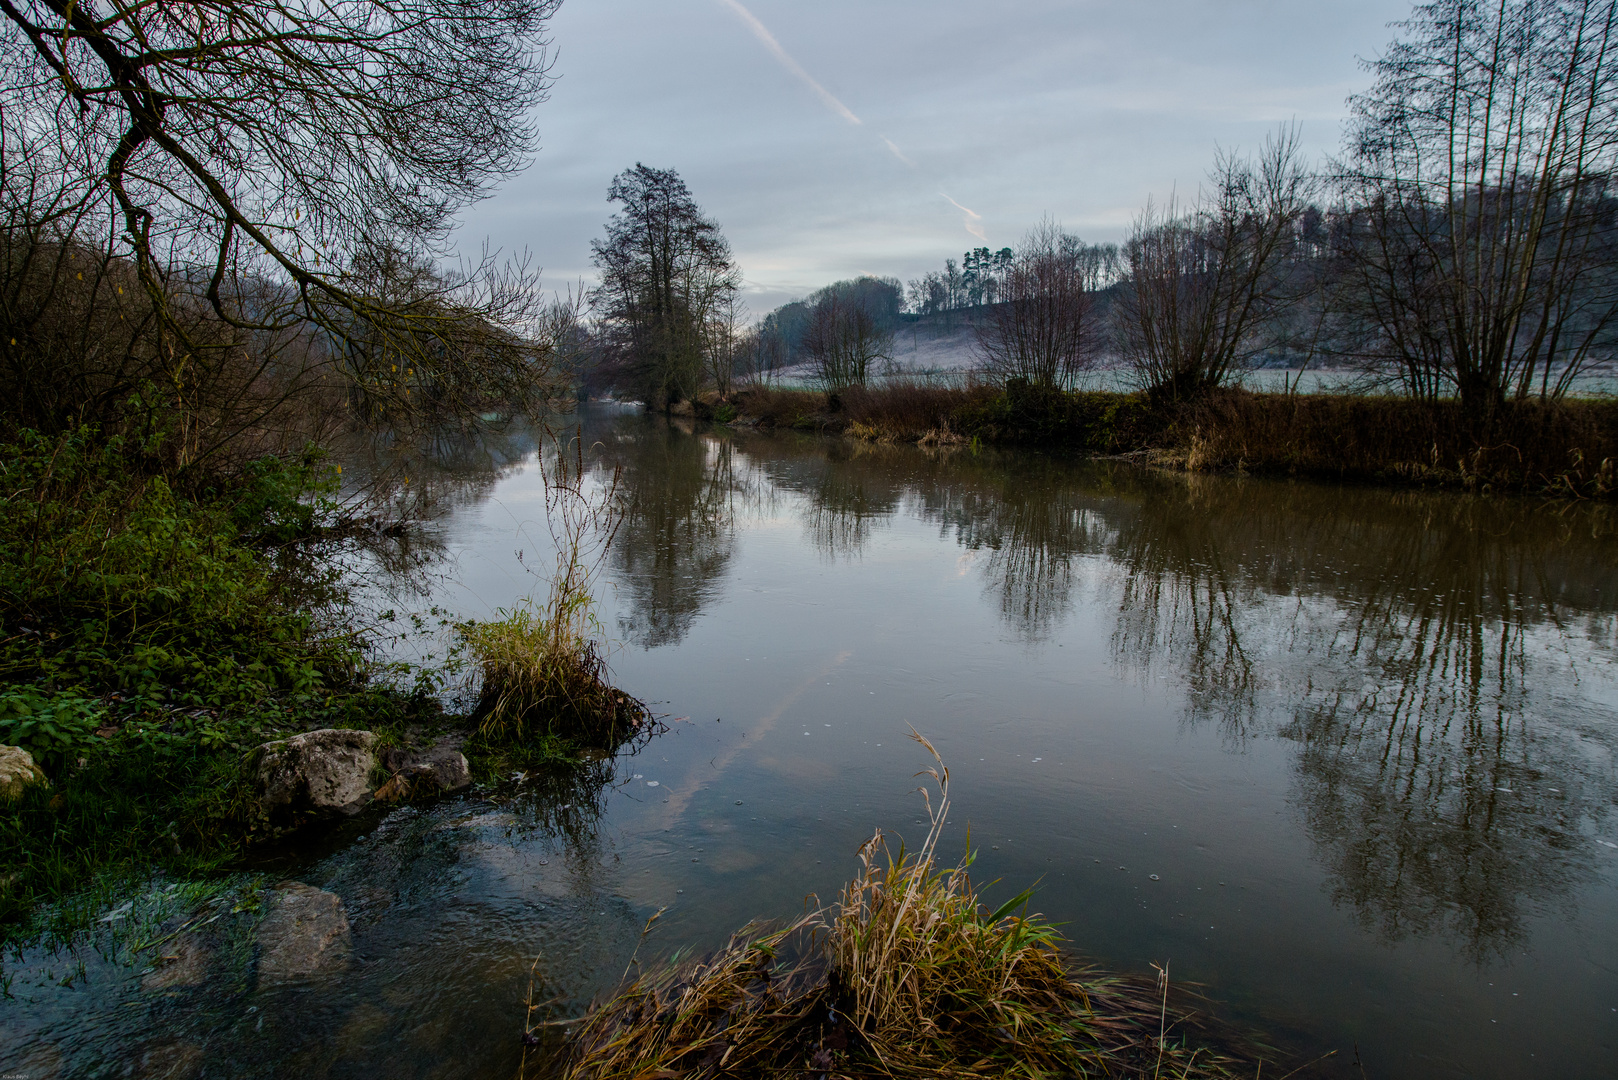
x=1461, y=253
x=221, y=231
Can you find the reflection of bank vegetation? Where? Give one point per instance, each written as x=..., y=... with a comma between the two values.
x=1400, y=637
x=1394, y=637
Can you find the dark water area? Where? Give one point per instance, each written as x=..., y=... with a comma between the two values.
x=1344, y=757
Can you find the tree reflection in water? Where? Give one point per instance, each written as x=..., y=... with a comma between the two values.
x=680, y=497
x=1419, y=650
x=1442, y=665
x=1422, y=651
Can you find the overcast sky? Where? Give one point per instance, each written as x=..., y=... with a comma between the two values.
x=841, y=137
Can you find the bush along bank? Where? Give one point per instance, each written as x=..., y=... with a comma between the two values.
x=154, y=640
x=1563, y=448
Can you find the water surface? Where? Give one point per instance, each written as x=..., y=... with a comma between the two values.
x=1344, y=756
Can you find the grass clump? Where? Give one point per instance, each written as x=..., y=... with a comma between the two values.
x=540, y=678
x=544, y=683
x=909, y=975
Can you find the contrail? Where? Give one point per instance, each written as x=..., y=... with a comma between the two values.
x=762, y=32
x=898, y=153
x=970, y=220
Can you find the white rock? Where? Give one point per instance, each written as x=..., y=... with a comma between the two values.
x=18, y=772
x=327, y=771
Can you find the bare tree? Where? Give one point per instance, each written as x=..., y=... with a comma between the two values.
x=760, y=350
x=726, y=341
x=1204, y=283
x=1479, y=234
x=1042, y=330
x=845, y=338
x=264, y=159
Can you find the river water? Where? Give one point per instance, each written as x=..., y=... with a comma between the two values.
x=1344, y=757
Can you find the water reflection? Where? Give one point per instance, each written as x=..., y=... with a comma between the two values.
x=1411, y=646
x=1417, y=649
x=1441, y=666
x=680, y=496
x=1033, y=522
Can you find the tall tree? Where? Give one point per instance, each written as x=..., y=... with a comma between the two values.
x=1480, y=232
x=666, y=273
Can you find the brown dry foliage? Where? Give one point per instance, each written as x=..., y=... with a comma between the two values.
x=1563, y=448
x=909, y=976
x=907, y=410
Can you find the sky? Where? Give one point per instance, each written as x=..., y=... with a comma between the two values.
x=836, y=138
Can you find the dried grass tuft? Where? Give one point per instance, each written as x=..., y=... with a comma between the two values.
x=909, y=975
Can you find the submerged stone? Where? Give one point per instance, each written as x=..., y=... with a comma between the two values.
x=326, y=771
x=436, y=770
x=18, y=772
x=306, y=933
x=184, y=961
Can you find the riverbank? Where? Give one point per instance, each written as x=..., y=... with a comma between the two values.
x=1565, y=449
x=157, y=634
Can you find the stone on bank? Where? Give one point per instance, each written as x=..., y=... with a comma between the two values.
x=330, y=772
x=18, y=772
x=326, y=771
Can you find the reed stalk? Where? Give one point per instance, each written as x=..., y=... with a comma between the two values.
x=908, y=976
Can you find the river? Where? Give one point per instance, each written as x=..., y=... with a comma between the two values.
x=1344, y=757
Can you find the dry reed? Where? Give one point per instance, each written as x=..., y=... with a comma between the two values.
x=909, y=975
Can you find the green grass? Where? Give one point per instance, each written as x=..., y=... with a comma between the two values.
x=149, y=640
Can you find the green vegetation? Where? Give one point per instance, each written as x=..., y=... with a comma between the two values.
x=152, y=638
x=909, y=975
x=149, y=639
x=1563, y=448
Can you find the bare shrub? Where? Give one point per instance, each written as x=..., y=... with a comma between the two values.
x=1042, y=328
x=844, y=339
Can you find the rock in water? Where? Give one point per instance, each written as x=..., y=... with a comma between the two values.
x=416, y=773
x=183, y=961
x=326, y=771
x=17, y=773
x=305, y=933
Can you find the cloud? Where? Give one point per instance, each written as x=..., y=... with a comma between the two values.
x=762, y=32
x=971, y=219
